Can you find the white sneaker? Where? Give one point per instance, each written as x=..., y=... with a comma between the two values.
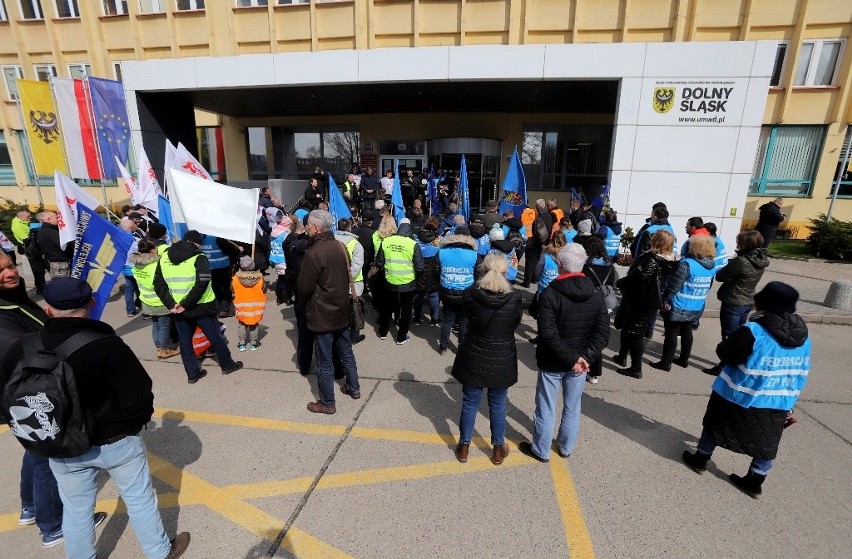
x=593, y=380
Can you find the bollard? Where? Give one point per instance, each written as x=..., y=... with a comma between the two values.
x=839, y=295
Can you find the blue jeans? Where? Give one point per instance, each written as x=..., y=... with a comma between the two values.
x=131, y=292
x=161, y=327
x=732, y=317
x=707, y=444
x=451, y=310
x=433, y=305
x=127, y=465
x=546, y=391
x=210, y=326
x=325, y=364
x=471, y=396
x=39, y=493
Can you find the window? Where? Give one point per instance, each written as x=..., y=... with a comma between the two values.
x=818, y=63
x=31, y=9
x=292, y=153
x=185, y=5
x=11, y=74
x=7, y=172
x=780, y=58
x=116, y=66
x=67, y=8
x=44, y=72
x=80, y=71
x=565, y=156
x=115, y=7
x=3, y=15
x=845, y=175
x=294, y=2
x=152, y=6
x=251, y=3
x=786, y=161
x=256, y=138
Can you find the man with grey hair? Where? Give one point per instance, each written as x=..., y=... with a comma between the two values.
x=573, y=329
x=324, y=287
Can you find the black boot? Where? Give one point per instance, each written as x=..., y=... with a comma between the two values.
x=750, y=484
x=279, y=297
x=631, y=372
x=697, y=461
x=619, y=359
x=713, y=371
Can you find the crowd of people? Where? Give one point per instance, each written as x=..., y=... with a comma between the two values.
x=469, y=275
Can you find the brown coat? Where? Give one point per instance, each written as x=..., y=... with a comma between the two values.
x=324, y=284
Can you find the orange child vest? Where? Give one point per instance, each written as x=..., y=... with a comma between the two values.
x=527, y=218
x=249, y=302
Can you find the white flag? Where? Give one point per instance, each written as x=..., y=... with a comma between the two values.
x=67, y=195
x=129, y=183
x=168, y=162
x=149, y=186
x=212, y=208
x=188, y=164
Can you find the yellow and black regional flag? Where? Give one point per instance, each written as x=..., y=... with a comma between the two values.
x=42, y=124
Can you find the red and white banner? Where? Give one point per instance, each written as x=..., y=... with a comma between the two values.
x=149, y=186
x=67, y=195
x=75, y=112
x=189, y=164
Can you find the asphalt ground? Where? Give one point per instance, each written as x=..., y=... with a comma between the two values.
x=241, y=464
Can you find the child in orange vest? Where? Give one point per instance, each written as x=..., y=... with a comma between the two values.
x=249, y=301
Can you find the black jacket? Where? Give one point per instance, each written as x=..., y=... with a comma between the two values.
x=370, y=186
x=113, y=385
x=365, y=237
x=19, y=316
x=313, y=196
x=429, y=280
x=769, y=220
x=572, y=322
x=641, y=292
x=180, y=252
x=487, y=356
x=47, y=237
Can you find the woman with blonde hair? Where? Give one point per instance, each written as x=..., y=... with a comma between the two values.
x=683, y=300
x=641, y=299
x=487, y=358
x=376, y=276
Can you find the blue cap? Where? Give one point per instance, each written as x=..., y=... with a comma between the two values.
x=67, y=294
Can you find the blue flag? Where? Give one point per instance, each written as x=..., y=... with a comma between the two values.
x=111, y=122
x=464, y=195
x=396, y=197
x=432, y=191
x=99, y=256
x=601, y=201
x=576, y=195
x=336, y=204
x=514, y=195
x=164, y=215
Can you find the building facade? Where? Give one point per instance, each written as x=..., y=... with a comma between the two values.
x=715, y=106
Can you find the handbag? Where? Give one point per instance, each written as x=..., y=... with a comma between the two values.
x=357, y=309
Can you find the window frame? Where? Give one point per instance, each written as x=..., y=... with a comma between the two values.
x=161, y=4
x=87, y=70
x=813, y=61
x=36, y=8
x=758, y=185
x=252, y=4
x=784, y=64
x=119, y=5
x=5, y=178
x=75, y=10
x=20, y=72
x=193, y=6
x=116, y=70
x=51, y=69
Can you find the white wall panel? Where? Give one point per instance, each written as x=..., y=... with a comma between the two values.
x=746, y=149
x=619, y=190
x=598, y=60
x=622, y=149
x=314, y=68
x=685, y=194
x=764, y=58
x=629, y=97
x=235, y=71
x=404, y=64
x=497, y=62
x=700, y=60
x=160, y=74
x=686, y=149
x=755, y=103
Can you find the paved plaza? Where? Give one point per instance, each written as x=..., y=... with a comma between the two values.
x=241, y=464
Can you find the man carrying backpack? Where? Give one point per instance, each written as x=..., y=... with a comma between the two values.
x=114, y=399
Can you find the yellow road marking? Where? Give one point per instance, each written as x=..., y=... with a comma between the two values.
x=3, y=428
x=576, y=533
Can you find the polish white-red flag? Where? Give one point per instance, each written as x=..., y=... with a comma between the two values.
x=68, y=193
x=78, y=130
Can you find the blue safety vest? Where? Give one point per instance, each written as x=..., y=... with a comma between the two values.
x=772, y=377
x=276, y=248
x=512, y=268
x=694, y=291
x=214, y=254
x=665, y=227
x=484, y=243
x=457, y=265
x=721, y=255
x=612, y=242
x=569, y=235
x=428, y=250
x=549, y=273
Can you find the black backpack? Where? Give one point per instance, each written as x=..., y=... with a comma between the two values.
x=31, y=249
x=541, y=231
x=41, y=402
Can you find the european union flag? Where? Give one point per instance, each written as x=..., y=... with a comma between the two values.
x=99, y=256
x=601, y=201
x=576, y=195
x=111, y=122
x=464, y=195
x=336, y=204
x=396, y=196
x=514, y=195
